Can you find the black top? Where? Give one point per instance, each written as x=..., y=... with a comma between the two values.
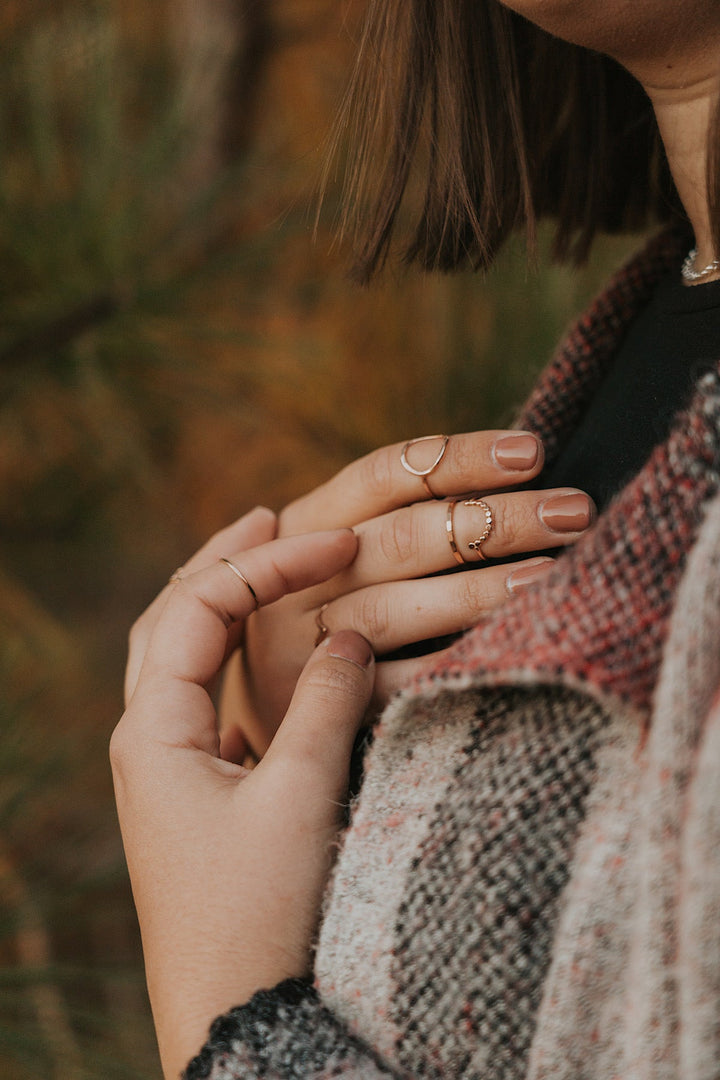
x=670, y=345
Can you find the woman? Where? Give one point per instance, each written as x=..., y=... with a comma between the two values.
x=530, y=883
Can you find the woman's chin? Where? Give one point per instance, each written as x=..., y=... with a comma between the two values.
x=635, y=34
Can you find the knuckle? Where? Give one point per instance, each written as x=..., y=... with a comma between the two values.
x=378, y=473
x=282, y=576
x=464, y=462
x=373, y=616
x=331, y=681
x=398, y=536
x=474, y=592
x=512, y=519
x=216, y=606
x=470, y=590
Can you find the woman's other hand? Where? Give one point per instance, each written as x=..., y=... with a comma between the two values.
x=228, y=866
x=392, y=593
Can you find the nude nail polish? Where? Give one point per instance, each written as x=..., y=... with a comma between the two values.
x=571, y=512
x=517, y=451
x=527, y=575
x=347, y=645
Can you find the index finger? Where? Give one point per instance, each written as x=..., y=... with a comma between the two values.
x=397, y=475
x=189, y=640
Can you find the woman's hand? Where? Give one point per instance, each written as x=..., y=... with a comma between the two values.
x=391, y=593
x=228, y=866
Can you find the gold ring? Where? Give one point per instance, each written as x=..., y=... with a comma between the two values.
x=476, y=545
x=450, y=526
x=176, y=576
x=242, y=577
x=424, y=473
x=323, y=630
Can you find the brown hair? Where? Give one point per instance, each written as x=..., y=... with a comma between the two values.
x=502, y=125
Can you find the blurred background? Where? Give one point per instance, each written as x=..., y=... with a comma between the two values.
x=175, y=347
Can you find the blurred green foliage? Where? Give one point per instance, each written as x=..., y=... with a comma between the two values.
x=102, y=225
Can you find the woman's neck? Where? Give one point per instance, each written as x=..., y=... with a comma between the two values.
x=684, y=114
x=684, y=92
x=672, y=47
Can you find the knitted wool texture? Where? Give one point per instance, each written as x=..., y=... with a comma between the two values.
x=530, y=883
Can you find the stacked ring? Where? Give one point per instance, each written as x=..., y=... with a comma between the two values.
x=450, y=526
x=475, y=545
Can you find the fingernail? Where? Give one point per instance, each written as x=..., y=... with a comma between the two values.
x=528, y=574
x=517, y=451
x=347, y=645
x=567, y=513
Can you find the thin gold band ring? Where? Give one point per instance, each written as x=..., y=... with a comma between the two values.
x=239, y=573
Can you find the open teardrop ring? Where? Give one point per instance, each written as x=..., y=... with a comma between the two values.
x=424, y=473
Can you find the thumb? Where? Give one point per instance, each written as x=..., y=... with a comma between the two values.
x=332, y=695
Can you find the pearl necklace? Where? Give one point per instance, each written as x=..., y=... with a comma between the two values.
x=689, y=272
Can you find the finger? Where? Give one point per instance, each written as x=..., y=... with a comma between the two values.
x=396, y=614
x=255, y=527
x=394, y=676
x=188, y=644
x=204, y=605
x=377, y=483
x=314, y=741
x=415, y=541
